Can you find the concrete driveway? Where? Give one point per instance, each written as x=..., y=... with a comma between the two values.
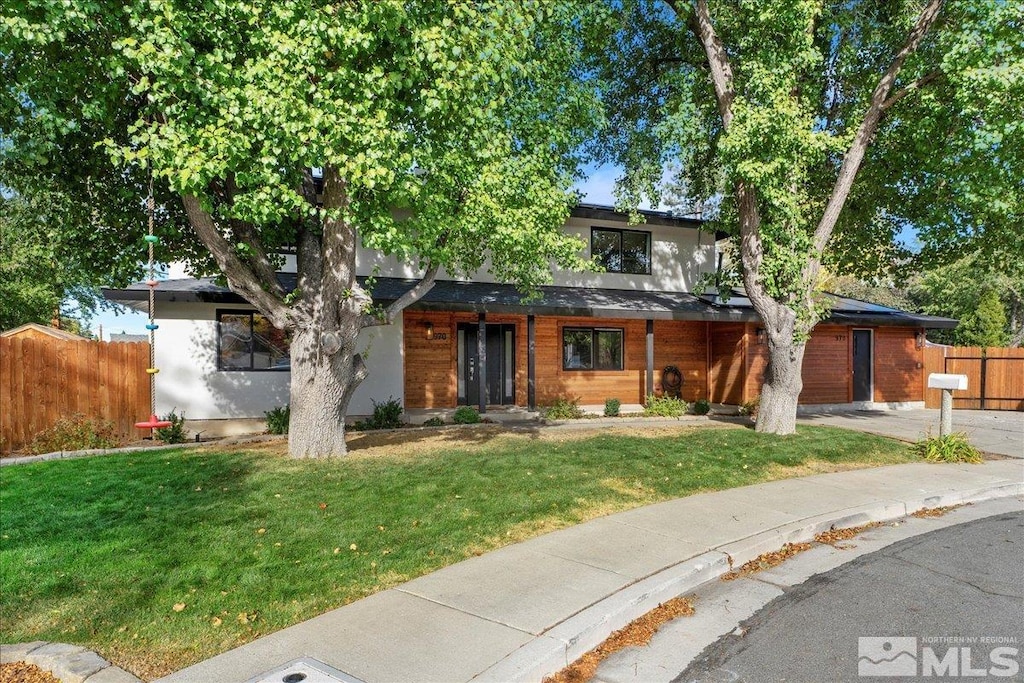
x=994, y=431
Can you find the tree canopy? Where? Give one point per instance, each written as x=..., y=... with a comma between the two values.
x=444, y=134
x=816, y=131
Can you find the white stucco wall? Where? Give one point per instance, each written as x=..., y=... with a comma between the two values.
x=189, y=381
x=679, y=256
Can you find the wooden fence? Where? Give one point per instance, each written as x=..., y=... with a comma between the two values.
x=42, y=380
x=995, y=376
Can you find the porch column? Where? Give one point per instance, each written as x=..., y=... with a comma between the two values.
x=481, y=360
x=650, y=359
x=531, y=363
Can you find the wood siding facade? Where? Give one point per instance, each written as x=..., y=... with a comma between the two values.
x=720, y=361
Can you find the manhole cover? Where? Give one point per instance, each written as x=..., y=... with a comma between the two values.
x=305, y=670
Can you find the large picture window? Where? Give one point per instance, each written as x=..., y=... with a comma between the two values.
x=591, y=348
x=622, y=251
x=247, y=341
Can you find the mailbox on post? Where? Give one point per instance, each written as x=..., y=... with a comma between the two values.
x=948, y=383
x=937, y=380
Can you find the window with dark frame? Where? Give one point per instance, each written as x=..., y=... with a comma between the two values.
x=591, y=348
x=622, y=251
x=246, y=340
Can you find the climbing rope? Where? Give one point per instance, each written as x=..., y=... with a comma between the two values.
x=152, y=240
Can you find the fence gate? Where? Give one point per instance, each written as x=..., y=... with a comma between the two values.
x=995, y=377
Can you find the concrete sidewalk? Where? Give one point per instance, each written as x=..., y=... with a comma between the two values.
x=993, y=431
x=527, y=610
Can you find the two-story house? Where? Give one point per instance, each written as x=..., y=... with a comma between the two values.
x=633, y=330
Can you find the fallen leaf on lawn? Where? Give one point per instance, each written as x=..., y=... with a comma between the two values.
x=261, y=531
x=337, y=550
x=243, y=618
x=178, y=606
x=216, y=622
x=353, y=547
x=322, y=506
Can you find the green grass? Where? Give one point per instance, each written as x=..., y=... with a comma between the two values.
x=99, y=551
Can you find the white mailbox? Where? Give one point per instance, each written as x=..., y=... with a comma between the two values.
x=937, y=380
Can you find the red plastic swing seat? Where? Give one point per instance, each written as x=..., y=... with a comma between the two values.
x=154, y=423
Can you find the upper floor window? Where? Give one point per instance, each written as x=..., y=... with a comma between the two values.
x=247, y=341
x=622, y=251
x=591, y=348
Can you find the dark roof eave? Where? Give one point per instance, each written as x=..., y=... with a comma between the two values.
x=599, y=212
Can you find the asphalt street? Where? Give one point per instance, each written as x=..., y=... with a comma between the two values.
x=960, y=587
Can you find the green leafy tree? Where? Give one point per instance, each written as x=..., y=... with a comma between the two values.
x=42, y=275
x=444, y=133
x=984, y=325
x=955, y=290
x=819, y=130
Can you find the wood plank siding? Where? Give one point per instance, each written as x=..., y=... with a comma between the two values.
x=431, y=373
x=720, y=361
x=738, y=364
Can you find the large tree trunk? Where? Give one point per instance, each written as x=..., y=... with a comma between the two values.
x=323, y=381
x=783, y=383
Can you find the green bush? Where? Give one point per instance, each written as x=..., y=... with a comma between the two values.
x=611, y=407
x=386, y=414
x=433, y=422
x=950, y=448
x=564, y=409
x=702, y=407
x=278, y=419
x=466, y=415
x=664, y=406
x=75, y=433
x=175, y=433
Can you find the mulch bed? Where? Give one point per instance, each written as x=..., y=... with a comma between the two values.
x=22, y=672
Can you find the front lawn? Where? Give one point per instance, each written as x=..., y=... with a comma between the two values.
x=157, y=560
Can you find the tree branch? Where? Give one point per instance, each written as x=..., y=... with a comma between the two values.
x=410, y=297
x=241, y=278
x=916, y=85
x=699, y=22
x=257, y=261
x=855, y=154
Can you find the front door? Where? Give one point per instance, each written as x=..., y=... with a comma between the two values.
x=498, y=366
x=862, y=366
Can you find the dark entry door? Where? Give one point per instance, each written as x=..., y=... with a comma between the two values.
x=862, y=365
x=498, y=366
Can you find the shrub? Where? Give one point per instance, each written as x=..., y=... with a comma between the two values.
x=611, y=407
x=950, y=448
x=75, y=433
x=386, y=414
x=433, y=422
x=466, y=415
x=564, y=409
x=175, y=433
x=664, y=406
x=702, y=407
x=750, y=407
x=278, y=419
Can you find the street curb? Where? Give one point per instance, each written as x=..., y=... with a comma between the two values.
x=69, y=663
x=562, y=644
